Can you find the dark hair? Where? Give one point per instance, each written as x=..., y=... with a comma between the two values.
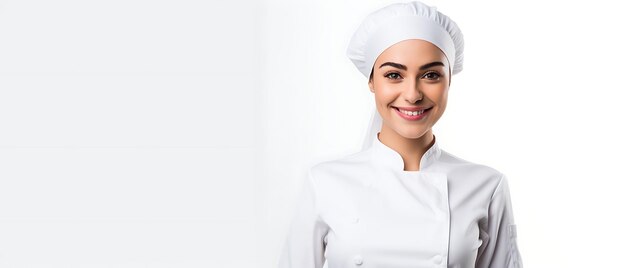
x=371, y=74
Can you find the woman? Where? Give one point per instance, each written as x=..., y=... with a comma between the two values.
x=403, y=201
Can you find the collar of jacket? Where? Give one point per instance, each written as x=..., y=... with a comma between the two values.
x=385, y=156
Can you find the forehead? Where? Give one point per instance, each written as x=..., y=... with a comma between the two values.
x=412, y=52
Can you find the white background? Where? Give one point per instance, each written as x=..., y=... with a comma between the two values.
x=177, y=133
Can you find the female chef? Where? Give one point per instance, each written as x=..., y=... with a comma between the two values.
x=403, y=201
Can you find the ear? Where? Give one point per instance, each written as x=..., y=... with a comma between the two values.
x=371, y=85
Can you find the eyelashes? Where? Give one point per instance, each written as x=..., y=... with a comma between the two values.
x=435, y=73
x=396, y=76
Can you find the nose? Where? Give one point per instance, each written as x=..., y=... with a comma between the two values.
x=412, y=93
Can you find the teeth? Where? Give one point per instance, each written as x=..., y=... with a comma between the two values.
x=412, y=113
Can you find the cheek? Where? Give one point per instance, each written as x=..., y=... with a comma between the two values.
x=436, y=93
x=384, y=93
x=387, y=90
x=442, y=100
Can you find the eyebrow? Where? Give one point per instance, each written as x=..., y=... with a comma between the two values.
x=403, y=67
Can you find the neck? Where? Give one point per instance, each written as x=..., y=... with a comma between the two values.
x=411, y=149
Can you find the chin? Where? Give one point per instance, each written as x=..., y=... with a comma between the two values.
x=411, y=133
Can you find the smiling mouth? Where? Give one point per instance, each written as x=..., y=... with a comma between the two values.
x=414, y=111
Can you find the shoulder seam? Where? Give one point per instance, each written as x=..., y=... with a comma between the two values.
x=499, y=185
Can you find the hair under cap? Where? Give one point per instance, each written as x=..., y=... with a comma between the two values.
x=395, y=23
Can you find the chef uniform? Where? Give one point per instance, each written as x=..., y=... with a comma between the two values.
x=365, y=210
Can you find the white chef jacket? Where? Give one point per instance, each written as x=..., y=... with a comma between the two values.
x=365, y=210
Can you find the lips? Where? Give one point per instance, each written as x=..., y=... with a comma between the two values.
x=412, y=109
x=412, y=113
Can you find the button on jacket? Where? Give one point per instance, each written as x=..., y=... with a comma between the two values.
x=365, y=210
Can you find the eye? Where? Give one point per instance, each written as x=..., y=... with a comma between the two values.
x=431, y=75
x=393, y=76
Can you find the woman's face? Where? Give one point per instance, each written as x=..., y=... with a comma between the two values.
x=412, y=74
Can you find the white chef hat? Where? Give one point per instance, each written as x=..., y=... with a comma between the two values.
x=398, y=22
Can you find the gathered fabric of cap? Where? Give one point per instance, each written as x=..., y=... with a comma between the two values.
x=395, y=23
